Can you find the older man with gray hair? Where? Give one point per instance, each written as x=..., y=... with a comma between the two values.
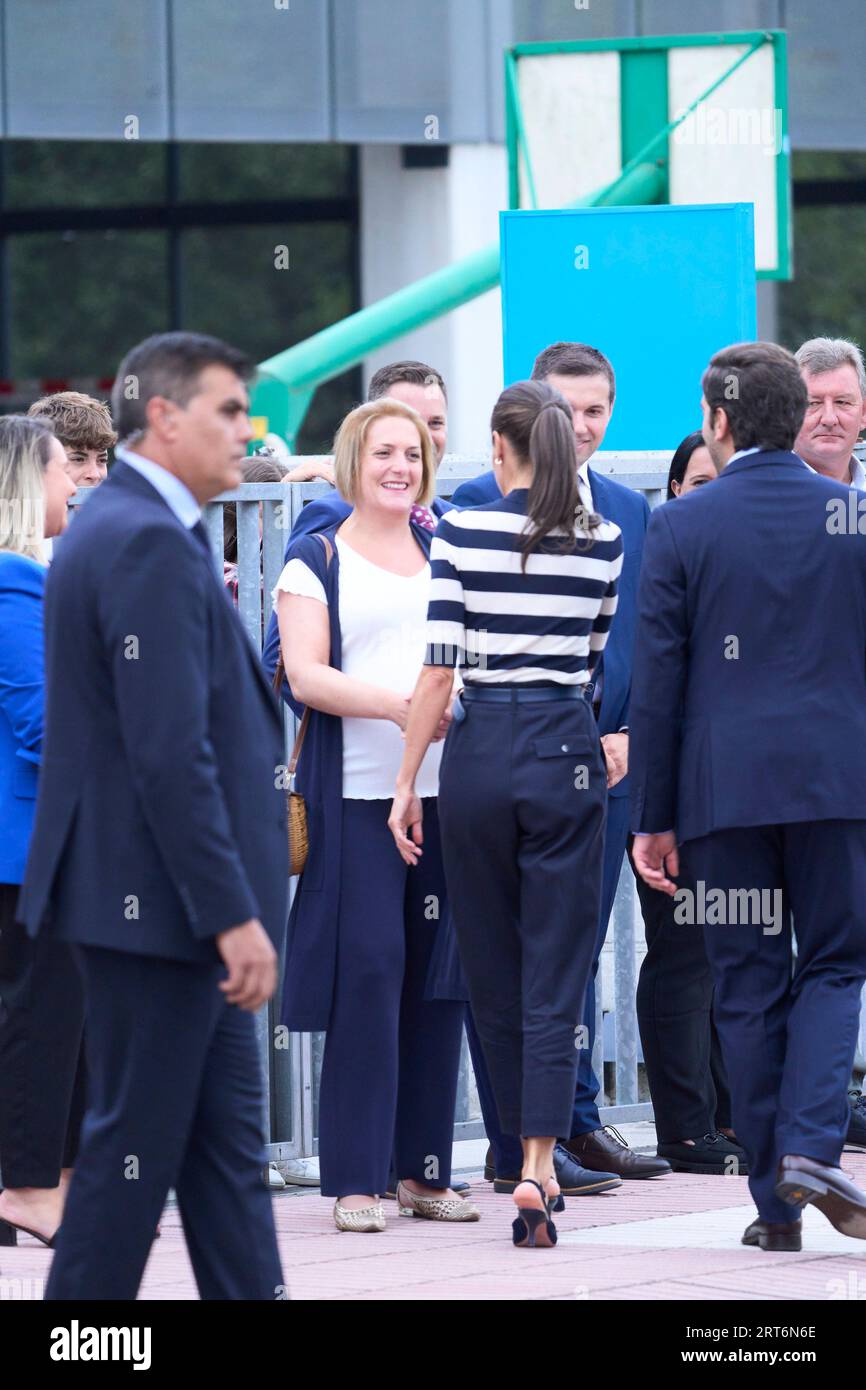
x=835, y=378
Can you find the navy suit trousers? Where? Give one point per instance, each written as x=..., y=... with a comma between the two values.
x=522, y=797
x=788, y=1034
x=174, y=1100
x=389, y=1073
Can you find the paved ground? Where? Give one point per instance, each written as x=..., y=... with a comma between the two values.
x=670, y=1238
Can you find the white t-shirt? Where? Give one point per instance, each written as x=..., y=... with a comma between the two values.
x=383, y=619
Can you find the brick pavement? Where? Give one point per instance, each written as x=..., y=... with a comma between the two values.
x=670, y=1238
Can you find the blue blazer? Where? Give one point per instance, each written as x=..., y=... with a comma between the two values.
x=630, y=512
x=311, y=948
x=22, y=585
x=321, y=515
x=749, y=689
x=160, y=819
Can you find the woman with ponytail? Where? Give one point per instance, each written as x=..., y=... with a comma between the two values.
x=523, y=592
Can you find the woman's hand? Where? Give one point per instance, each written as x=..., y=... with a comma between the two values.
x=397, y=710
x=406, y=818
x=443, y=725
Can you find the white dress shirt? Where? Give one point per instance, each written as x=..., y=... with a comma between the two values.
x=170, y=488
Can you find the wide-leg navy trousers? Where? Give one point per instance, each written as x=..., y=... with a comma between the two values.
x=389, y=1073
x=522, y=803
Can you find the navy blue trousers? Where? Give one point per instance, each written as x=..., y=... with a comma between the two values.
x=174, y=1099
x=788, y=1037
x=585, y=1116
x=389, y=1073
x=521, y=800
x=507, y=1149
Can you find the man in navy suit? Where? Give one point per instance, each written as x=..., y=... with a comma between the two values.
x=160, y=846
x=585, y=377
x=744, y=657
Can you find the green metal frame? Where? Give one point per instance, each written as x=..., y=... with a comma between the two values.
x=287, y=381
x=644, y=85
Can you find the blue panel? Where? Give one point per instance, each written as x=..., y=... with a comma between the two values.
x=663, y=288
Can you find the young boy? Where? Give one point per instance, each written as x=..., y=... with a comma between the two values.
x=83, y=426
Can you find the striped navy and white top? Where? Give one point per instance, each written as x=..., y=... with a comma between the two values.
x=501, y=625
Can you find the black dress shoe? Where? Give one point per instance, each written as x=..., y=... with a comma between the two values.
x=775, y=1235
x=489, y=1167
x=714, y=1153
x=605, y=1150
x=801, y=1180
x=576, y=1181
x=856, y=1136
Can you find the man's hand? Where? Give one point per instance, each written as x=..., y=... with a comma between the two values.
x=654, y=857
x=252, y=965
x=407, y=816
x=616, y=756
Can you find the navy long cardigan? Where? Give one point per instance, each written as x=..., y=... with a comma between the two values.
x=311, y=949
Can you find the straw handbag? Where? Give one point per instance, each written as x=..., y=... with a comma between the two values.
x=296, y=806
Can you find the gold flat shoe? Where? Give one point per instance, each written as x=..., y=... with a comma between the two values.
x=435, y=1208
x=370, y=1218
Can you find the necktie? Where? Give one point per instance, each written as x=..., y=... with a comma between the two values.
x=584, y=492
x=422, y=516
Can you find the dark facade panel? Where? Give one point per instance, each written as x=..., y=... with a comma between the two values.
x=411, y=72
x=707, y=16
x=364, y=70
x=558, y=21
x=85, y=70
x=251, y=70
x=827, y=62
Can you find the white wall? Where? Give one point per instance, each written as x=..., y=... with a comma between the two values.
x=415, y=221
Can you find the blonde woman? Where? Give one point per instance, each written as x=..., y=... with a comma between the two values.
x=351, y=604
x=42, y=1015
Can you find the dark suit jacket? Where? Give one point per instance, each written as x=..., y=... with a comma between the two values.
x=159, y=821
x=748, y=698
x=629, y=511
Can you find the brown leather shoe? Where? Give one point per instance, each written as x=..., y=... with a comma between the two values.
x=605, y=1151
x=801, y=1180
x=774, y=1235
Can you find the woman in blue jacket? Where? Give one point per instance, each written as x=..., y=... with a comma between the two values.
x=42, y=1013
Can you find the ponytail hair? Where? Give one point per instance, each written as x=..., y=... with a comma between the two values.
x=536, y=421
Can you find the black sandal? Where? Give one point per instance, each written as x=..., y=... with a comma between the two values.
x=9, y=1234
x=532, y=1227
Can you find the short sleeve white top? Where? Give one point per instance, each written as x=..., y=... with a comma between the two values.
x=382, y=627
